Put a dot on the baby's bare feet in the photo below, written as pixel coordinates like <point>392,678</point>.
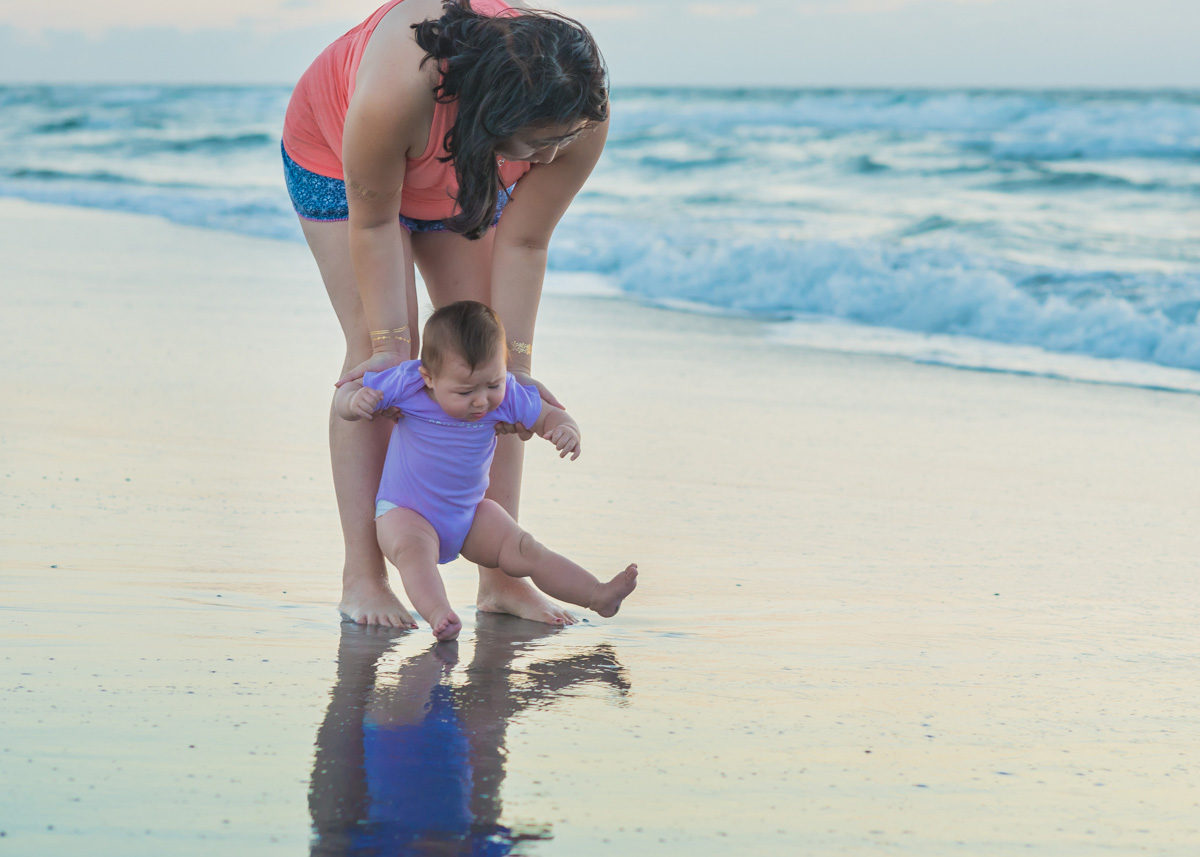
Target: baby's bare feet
<point>446,626</point>
<point>608,596</point>
<point>370,601</point>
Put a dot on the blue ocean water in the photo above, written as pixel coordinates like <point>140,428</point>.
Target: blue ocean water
<point>1051,232</point>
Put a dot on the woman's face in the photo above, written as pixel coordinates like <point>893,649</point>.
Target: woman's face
<point>539,144</point>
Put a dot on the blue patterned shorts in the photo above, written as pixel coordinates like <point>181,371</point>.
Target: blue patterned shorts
<point>317,197</point>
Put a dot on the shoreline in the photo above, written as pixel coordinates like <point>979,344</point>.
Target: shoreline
<point>823,333</point>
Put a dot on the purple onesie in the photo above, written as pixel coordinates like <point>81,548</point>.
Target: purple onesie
<point>437,465</point>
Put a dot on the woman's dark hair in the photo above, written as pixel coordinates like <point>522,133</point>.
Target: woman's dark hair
<point>508,73</point>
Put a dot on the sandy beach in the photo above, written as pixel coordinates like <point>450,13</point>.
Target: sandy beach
<point>884,608</point>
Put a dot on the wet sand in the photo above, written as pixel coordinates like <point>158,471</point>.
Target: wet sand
<point>883,608</point>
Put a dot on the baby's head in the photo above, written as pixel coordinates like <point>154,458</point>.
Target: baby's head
<point>464,359</point>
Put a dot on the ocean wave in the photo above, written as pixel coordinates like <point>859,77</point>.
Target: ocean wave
<point>961,352</point>
<point>1086,180</point>
<point>935,290</point>
<point>47,175</point>
<point>933,223</point>
<point>1004,125</point>
<point>85,177</point>
<point>896,210</point>
<point>216,143</point>
<point>667,164</point>
<point>207,144</point>
<point>866,165</point>
<point>263,216</point>
<point>121,146</point>
<point>59,126</point>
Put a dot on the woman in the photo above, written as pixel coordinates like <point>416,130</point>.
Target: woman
<point>402,143</point>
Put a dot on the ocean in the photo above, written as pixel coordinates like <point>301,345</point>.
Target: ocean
<point>1044,232</point>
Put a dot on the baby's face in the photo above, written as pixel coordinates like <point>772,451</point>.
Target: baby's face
<point>467,394</point>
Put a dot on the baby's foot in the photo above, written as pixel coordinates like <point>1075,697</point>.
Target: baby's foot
<point>370,601</point>
<point>607,598</point>
<point>446,626</point>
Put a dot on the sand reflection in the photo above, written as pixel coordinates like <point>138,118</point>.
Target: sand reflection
<point>410,759</point>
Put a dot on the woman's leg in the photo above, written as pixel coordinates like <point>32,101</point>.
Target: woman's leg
<point>457,269</point>
<point>357,448</point>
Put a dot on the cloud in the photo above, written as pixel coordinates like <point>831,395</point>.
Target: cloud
<point>814,8</point>
<point>716,10</point>
<point>588,12</point>
<point>867,7</point>
<point>93,18</point>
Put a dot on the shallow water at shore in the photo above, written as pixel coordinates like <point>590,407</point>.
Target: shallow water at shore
<point>883,608</point>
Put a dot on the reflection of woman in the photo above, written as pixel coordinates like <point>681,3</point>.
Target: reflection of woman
<point>414,764</point>
<point>399,144</point>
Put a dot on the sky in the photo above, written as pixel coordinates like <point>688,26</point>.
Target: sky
<point>788,43</point>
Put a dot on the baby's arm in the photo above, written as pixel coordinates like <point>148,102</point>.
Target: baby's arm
<point>353,401</point>
<point>557,426</point>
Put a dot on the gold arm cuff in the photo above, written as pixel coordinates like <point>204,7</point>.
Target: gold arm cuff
<point>517,347</point>
<point>398,334</point>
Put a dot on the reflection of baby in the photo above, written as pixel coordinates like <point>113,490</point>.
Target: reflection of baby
<point>430,506</point>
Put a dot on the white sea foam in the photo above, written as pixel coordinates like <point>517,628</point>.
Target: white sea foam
<point>964,352</point>
<point>925,290</point>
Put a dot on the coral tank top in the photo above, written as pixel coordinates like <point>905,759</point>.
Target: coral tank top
<point>316,115</point>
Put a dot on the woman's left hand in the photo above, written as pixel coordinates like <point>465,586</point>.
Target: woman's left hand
<point>525,379</point>
<point>514,428</point>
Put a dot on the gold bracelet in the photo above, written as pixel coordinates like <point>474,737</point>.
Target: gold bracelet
<point>518,347</point>
<point>400,334</point>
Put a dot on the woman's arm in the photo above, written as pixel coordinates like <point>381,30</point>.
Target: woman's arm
<point>523,236</point>
<point>383,120</point>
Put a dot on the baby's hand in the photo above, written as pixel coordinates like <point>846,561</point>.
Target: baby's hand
<point>566,440</point>
<point>365,401</point>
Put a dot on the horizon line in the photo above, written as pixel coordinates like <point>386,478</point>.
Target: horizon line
<point>724,87</point>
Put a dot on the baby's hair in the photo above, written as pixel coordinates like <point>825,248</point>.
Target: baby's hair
<point>466,328</point>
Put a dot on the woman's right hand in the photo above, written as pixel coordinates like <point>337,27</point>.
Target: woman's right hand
<point>375,363</point>
<point>528,380</point>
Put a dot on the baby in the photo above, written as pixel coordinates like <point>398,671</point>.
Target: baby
<point>430,507</point>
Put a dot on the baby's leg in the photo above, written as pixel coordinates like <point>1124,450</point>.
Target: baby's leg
<point>495,540</point>
<point>411,543</point>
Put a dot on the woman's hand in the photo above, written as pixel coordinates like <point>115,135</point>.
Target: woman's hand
<point>514,428</point>
<point>375,363</point>
<point>524,379</point>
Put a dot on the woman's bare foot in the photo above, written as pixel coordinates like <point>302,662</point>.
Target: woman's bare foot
<point>607,598</point>
<point>370,601</point>
<point>445,626</point>
<point>499,593</point>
